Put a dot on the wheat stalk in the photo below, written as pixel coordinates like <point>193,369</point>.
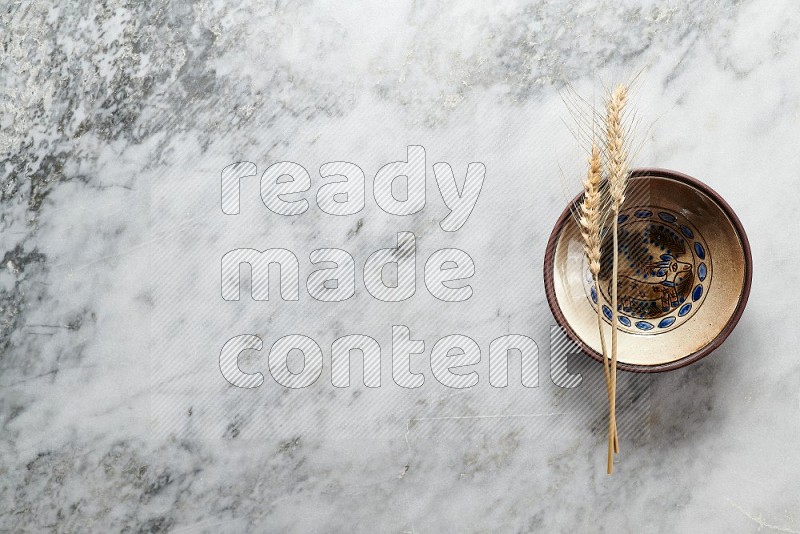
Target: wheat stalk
<point>590,219</point>
<point>604,195</point>
<point>617,160</point>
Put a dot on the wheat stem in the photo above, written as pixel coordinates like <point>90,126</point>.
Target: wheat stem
<point>617,181</point>
<point>612,420</point>
<point>606,362</point>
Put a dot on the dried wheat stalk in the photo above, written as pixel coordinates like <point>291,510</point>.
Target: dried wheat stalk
<point>617,161</point>
<point>604,193</point>
<point>591,214</point>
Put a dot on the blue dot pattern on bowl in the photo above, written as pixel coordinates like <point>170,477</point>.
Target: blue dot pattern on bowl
<point>698,248</point>
<point>666,322</point>
<point>697,293</point>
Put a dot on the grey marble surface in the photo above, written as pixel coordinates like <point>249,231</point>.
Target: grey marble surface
<point>117,119</point>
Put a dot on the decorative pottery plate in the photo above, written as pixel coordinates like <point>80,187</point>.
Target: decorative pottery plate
<point>684,274</point>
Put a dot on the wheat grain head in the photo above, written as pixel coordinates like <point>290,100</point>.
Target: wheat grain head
<point>616,150</point>
<point>591,211</point>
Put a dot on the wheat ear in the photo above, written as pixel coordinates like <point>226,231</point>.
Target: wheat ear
<point>617,182</point>
<point>590,221</point>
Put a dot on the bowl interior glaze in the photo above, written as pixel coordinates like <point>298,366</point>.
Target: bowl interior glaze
<point>684,274</point>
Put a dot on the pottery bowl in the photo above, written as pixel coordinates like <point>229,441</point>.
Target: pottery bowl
<point>684,274</point>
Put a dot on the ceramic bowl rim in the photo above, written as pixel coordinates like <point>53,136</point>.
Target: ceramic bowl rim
<point>549,284</point>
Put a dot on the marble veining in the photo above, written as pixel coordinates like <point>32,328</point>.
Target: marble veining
<point>115,122</point>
